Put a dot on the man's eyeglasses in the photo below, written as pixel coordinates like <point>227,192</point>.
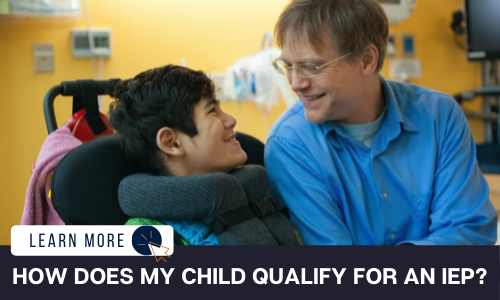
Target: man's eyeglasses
<point>305,70</point>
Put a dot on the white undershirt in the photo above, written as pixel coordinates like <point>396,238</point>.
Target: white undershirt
<point>364,132</point>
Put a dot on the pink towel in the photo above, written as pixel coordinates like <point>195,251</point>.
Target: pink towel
<point>38,209</point>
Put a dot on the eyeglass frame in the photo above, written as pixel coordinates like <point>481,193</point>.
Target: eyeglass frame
<point>274,62</point>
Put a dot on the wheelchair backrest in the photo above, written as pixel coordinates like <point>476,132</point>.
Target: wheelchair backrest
<point>85,182</point>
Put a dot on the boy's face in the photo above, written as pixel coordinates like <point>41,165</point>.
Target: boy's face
<point>214,148</point>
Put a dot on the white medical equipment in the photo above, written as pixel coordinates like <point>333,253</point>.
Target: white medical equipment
<point>45,8</point>
<point>397,10</point>
<point>253,78</point>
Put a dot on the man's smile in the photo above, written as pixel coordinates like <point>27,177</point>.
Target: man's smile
<point>311,99</point>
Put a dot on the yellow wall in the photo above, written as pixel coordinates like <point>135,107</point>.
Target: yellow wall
<point>211,35</point>
<point>444,64</point>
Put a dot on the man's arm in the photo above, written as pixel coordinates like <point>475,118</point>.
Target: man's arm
<point>460,209</point>
<point>296,181</point>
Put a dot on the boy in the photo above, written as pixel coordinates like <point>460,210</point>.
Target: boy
<point>171,122</point>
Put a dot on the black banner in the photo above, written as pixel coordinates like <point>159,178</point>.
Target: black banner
<point>261,272</point>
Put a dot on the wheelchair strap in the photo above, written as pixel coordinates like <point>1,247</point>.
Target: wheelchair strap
<point>265,206</point>
<point>91,104</point>
<point>232,217</point>
<point>241,214</point>
<point>77,104</point>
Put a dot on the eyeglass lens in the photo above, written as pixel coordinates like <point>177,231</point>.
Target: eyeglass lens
<point>304,70</point>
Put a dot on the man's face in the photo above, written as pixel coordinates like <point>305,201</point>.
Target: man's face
<point>334,94</point>
<point>214,148</point>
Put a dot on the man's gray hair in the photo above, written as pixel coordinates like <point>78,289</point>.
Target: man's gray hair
<point>353,24</point>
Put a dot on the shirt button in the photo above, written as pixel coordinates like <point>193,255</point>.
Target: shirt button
<point>393,236</point>
<point>385,195</point>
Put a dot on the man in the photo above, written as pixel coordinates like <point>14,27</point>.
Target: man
<point>361,160</point>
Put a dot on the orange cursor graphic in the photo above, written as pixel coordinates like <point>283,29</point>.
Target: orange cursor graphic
<point>158,259</point>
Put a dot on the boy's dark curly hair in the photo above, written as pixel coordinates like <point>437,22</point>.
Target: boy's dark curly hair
<point>156,98</point>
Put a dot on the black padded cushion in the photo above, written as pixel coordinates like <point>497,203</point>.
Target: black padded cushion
<point>253,147</point>
<point>85,182</point>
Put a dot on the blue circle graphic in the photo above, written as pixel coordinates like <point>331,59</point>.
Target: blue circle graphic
<point>143,236</point>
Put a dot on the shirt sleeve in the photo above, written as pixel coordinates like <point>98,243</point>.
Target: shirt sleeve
<point>296,181</point>
<point>461,212</point>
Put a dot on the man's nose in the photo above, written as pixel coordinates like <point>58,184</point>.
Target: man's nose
<point>297,83</point>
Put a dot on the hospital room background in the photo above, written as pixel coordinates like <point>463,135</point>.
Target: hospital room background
<point>207,35</point>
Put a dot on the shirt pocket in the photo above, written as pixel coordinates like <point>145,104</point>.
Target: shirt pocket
<point>423,202</point>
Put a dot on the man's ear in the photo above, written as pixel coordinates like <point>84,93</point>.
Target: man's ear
<point>370,60</point>
<point>167,141</point>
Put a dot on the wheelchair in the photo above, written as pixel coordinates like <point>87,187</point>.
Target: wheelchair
<point>84,187</point>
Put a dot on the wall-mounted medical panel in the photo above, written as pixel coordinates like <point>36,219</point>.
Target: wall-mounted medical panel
<point>80,42</point>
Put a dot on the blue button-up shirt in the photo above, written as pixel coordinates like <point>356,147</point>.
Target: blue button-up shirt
<point>419,183</point>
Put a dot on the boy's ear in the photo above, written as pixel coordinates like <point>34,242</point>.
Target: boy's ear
<point>167,141</point>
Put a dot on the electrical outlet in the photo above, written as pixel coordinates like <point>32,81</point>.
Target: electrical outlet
<point>80,44</point>
<point>406,69</point>
<point>43,58</point>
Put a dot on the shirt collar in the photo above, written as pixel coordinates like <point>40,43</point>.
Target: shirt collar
<point>394,116</point>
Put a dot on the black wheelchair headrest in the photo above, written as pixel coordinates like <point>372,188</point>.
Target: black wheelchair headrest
<point>85,182</point>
